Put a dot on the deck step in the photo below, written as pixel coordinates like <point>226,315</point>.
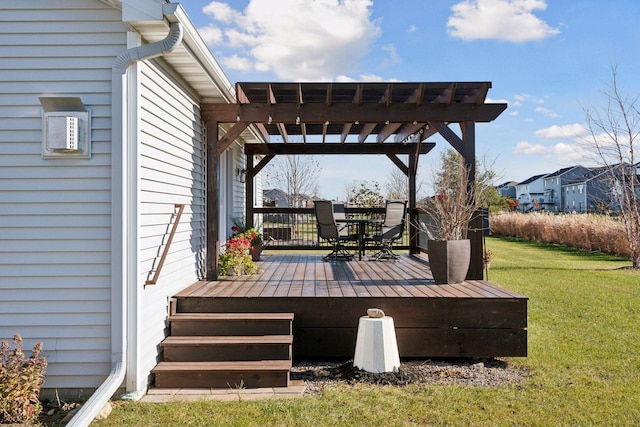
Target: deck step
<point>239,374</point>
<point>226,348</point>
<point>227,324</point>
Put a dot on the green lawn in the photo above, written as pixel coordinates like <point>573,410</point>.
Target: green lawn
<point>584,360</point>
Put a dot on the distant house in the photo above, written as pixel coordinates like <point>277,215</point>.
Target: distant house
<point>103,134</point>
<point>595,191</point>
<point>275,197</point>
<point>507,189</point>
<point>589,193</point>
<point>552,185</point>
<point>530,193</point>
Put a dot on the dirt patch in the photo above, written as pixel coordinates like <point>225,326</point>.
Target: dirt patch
<point>468,372</point>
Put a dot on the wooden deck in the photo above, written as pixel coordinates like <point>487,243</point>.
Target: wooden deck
<point>472,319</point>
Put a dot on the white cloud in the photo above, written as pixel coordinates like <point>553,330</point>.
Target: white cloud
<point>363,78</point>
<point>521,98</point>
<point>575,130</point>
<point>220,11</point>
<point>236,62</point>
<point>529,149</point>
<point>547,112</point>
<point>569,152</point>
<point>413,29</point>
<point>392,55</point>
<point>510,20</point>
<point>211,34</point>
<point>298,39</point>
<point>490,100</point>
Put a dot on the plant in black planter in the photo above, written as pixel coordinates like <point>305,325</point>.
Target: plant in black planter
<point>448,213</point>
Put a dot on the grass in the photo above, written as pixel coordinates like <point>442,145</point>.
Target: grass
<point>584,361</point>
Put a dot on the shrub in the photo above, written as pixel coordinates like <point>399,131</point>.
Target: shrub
<point>21,379</point>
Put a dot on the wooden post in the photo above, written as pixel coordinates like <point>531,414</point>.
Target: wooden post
<point>475,232</point>
<point>213,214</point>
<point>413,217</point>
<point>249,189</point>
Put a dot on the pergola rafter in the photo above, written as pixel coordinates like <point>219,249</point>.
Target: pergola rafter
<point>348,118</point>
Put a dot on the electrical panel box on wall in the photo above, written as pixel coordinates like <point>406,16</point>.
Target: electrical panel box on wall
<point>65,134</point>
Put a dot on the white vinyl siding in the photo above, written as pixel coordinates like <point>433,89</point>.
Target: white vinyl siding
<point>238,186</point>
<point>171,172</point>
<point>55,215</point>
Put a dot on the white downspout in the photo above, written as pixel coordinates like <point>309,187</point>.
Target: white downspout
<point>122,210</point>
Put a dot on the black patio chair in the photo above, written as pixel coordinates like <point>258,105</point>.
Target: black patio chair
<point>328,230</point>
<point>391,230</point>
<point>344,229</point>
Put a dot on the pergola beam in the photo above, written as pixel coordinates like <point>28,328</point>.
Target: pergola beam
<point>399,163</point>
<point>319,149</point>
<point>230,136</point>
<point>315,113</point>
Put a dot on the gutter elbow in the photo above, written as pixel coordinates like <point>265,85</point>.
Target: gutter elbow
<point>151,50</point>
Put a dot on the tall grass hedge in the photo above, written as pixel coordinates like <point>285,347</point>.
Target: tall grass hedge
<point>597,233</point>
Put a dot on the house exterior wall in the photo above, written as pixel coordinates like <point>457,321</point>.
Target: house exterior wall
<point>56,248</point>
<point>553,187</point>
<point>55,214</point>
<point>529,191</point>
<point>575,197</point>
<point>590,195</point>
<point>171,171</point>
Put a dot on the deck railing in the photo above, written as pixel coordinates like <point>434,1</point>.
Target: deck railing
<point>295,228</point>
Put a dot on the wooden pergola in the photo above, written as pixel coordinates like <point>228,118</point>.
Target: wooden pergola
<point>389,119</point>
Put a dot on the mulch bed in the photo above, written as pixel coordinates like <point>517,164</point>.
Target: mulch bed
<point>490,372</point>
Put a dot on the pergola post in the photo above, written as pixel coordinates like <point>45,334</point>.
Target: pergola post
<point>213,214</point>
<point>475,226</point>
<point>249,189</point>
<point>413,216</point>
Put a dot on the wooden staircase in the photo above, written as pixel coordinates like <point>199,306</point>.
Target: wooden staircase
<point>226,350</point>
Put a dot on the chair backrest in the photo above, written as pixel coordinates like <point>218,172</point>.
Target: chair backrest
<point>394,218</point>
<point>339,212</point>
<point>327,228</point>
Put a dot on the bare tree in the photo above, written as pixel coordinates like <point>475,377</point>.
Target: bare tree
<point>397,185</point>
<point>613,130</point>
<point>297,176</point>
<point>456,200</point>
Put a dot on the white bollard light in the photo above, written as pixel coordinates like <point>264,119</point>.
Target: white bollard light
<point>376,345</point>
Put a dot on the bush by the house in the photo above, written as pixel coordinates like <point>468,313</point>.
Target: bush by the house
<point>21,379</point>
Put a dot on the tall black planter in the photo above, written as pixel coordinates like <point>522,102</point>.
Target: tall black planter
<point>449,260</point>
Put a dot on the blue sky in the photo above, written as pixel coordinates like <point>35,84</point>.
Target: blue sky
<point>548,59</point>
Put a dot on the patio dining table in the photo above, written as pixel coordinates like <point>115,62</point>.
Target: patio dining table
<point>362,229</point>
